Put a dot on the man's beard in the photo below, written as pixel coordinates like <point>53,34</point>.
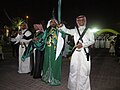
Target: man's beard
<point>53,26</point>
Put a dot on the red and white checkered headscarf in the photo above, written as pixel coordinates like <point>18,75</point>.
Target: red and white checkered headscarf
<point>39,26</point>
<point>81,16</point>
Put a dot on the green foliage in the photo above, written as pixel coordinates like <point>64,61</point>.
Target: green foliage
<point>17,22</point>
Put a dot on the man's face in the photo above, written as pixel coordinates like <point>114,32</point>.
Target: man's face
<point>23,26</point>
<point>81,21</point>
<point>53,23</point>
<point>35,27</point>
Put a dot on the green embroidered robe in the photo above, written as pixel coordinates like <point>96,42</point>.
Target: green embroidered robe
<point>51,67</point>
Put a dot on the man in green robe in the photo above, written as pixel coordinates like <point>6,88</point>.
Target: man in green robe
<point>52,65</point>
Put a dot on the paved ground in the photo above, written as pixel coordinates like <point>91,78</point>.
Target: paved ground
<point>105,74</point>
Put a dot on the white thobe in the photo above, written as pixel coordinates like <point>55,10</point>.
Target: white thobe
<point>102,43</point>
<point>79,66</point>
<point>107,44</point>
<point>24,67</point>
<point>96,43</point>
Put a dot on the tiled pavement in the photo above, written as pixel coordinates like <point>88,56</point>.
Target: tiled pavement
<point>105,74</point>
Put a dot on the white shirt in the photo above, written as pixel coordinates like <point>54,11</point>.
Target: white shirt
<point>88,38</point>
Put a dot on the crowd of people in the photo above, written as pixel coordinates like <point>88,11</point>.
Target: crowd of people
<point>40,52</point>
<point>110,42</point>
<point>103,40</point>
<point>36,51</point>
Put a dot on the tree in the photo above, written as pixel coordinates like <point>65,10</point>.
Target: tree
<point>16,22</point>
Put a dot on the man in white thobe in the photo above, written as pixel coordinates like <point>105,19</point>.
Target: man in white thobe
<point>23,37</point>
<point>80,65</point>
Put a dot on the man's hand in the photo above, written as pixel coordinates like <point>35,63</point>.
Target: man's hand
<point>59,25</point>
<point>35,39</point>
<point>79,45</point>
<point>20,32</point>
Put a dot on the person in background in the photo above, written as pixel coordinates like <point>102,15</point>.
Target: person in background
<point>23,38</point>
<point>1,51</point>
<point>13,45</point>
<point>35,51</point>
<point>117,47</point>
<point>80,63</point>
<point>112,48</point>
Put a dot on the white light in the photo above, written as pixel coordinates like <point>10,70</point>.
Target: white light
<point>7,32</point>
<point>95,30</point>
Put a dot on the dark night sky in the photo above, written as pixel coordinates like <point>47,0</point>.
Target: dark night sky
<point>103,13</point>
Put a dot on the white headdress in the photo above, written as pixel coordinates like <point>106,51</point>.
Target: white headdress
<point>81,16</point>
<point>48,24</point>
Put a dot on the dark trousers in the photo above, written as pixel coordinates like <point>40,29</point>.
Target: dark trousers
<point>37,63</point>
